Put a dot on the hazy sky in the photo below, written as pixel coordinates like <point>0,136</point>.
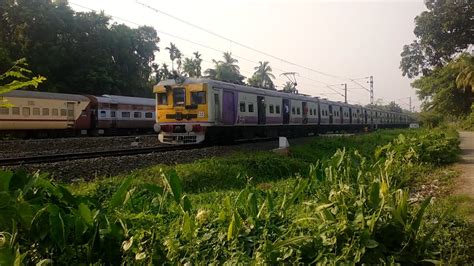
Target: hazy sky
<point>351,39</point>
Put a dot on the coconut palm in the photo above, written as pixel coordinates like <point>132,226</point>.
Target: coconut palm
<point>262,77</point>
<point>226,70</point>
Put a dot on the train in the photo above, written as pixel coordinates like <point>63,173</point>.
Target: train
<point>46,114</point>
<point>196,110</point>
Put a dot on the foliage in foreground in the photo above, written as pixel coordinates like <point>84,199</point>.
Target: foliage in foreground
<point>348,208</point>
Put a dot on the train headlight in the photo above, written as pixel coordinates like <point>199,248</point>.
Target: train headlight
<point>188,127</point>
<point>157,127</point>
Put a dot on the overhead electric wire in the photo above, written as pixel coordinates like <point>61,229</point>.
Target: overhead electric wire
<point>221,51</point>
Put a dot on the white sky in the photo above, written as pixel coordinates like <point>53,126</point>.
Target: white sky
<point>344,38</point>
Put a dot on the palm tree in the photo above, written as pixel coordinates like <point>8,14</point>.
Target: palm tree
<point>175,54</point>
<point>289,87</point>
<point>226,70</point>
<point>262,77</point>
<point>197,63</point>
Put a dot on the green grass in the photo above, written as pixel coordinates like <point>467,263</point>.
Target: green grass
<point>349,207</point>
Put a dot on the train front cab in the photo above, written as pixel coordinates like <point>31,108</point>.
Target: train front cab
<point>182,112</point>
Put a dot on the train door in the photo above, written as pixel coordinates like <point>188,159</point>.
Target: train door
<point>350,115</point>
<point>113,115</point>
<point>217,108</point>
<point>304,106</point>
<point>330,114</point>
<point>286,111</point>
<point>228,108</point>
<point>70,114</point>
<point>341,115</point>
<point>261,109</point>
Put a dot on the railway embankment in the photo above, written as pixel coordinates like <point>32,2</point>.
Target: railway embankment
<point>332,200</point>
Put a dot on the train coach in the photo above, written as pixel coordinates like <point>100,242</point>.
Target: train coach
<point>45,114</point>
<point>202,109</point>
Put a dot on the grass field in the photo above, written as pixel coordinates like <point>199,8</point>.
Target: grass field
<point>334,200</point>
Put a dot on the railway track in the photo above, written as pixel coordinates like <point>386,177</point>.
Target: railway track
<point>90,155</point>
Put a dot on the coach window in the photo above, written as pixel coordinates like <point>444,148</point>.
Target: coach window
<point>45,111</point>
<point>15,110</point>
<point>310,111</point>
<point>102,113</point>
<point>198,97</point>
<point>137,115</point>
<point>293,110</point>
<point>113,114</point>
<point>242,107</point>
<point>63,112</point>
<point>250,107</point>
<point>179,96</point>
<point>148,115</point>
<point>4,111</point>
<point>271,109</point>
<point>298,111</point>
<point>126,114</point>
<point>162,98</point>
<point>26,111</point>
<point>277,109</point>
<point>55,112</point>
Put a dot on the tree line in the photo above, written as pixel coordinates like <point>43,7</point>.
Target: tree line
<point>440,60</point>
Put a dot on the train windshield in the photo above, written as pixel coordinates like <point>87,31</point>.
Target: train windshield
<point>179,96</point>
<point>162,98</point>
<point>198,97</point>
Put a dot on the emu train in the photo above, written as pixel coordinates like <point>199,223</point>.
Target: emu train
<point>201,109</point>
<point>44,114</point>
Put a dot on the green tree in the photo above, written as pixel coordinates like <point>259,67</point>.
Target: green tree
<point>175,54</point>
<point>161,73</point>
<point>289,87</point>
<point>79,52</point>
<point>262,77</point>
<point>192,66</point>
<point>17,77</point>
<point>226,70</point>
<point>440,92</point>
<point>443,31</point>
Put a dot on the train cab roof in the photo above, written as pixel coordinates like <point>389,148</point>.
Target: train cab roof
<point>115,99</point>
<point>46,95</point>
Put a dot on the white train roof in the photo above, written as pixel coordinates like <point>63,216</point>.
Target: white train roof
<point>124,100</point>
<point>46,95</point>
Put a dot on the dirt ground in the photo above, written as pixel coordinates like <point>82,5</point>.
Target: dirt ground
<point>465,182</point>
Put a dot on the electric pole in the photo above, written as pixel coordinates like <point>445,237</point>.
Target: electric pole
<point>371,82</point>
<point>410,103</point>
<point>345,92</point>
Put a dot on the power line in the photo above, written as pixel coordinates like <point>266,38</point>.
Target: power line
<point>221,51</point>
<point>236,42</point>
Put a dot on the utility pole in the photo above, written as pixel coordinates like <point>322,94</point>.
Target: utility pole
<point>345,92</point>
<point>371,82</point>
<point>410,103</point>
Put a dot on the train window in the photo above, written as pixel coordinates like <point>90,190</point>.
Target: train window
<point>148,115</point>
<point>36,111</point>
<point>4,111</point>
<point>242,107</point>
<point>277,109</point>
<point>162,98</point>
<point>179,95</point>
<point>70,113</point>
<point>45,111</point>
<point>298,111</point>
<point>137,114</point>
<point>55,112</point>
<point>126,114</point>
<point>198,97</point>
<point>293,110</point>
<point>271,109</point>
<point>26,111</point>
<point>113,114</point>
<point>102,113</point>
<point>250,107</point>
<point>310,111</point>
<point>15,110</point>
<point>63,112</point>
